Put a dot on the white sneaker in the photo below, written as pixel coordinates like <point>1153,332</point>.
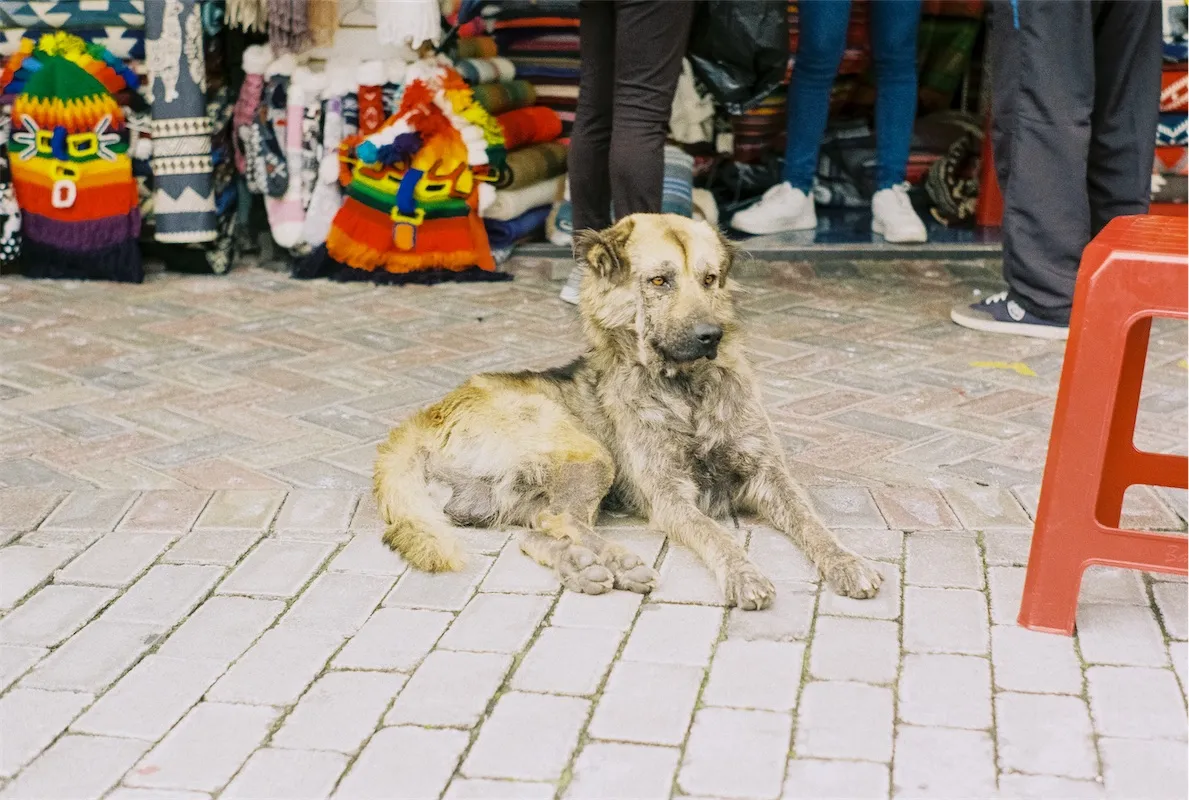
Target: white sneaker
<point>894,218</point>
<point>782,208</point>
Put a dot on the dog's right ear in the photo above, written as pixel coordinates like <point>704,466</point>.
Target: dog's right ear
<point>603,252</point>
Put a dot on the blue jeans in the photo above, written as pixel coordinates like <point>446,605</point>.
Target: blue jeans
<point>822,39</point>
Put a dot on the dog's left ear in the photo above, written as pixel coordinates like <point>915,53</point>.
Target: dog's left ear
<point>731,253</point>
<point>604,252</point>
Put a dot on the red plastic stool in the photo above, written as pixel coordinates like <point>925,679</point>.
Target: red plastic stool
<point>988,213</point>
<point>1133,271</point>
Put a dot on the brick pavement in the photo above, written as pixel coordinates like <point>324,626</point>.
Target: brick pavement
<point>194,601</point>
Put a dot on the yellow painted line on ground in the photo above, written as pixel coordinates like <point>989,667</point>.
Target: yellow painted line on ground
<point>1183,364</point>
<point>1018,367</point>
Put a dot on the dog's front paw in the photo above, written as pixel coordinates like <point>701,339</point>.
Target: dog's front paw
<point>746,587</point>
<point>579,570</point>
<point>852,576</point>
<point>630,571</point>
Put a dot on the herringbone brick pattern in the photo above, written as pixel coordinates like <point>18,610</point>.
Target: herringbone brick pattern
<point>194,601</point>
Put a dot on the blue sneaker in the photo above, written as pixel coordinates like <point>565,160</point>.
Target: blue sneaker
<point>1000,314</point>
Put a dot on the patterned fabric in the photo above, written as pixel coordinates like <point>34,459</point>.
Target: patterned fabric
<point>477,47</point>
<point>500,98</point>
<point>184,199</point>
<point>71,15</point>
<point>1173,129</point>
<point>412,190</point>
<point>123,43</point>
<point>530,165</point>
<point>485,70</point>
<point>1174,89</point>
<point>678,188</point>
<point>69,156</point>
<point>10,214</point>
<point>532,125</point>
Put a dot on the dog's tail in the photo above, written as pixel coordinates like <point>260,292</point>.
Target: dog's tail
<point>417,527</point>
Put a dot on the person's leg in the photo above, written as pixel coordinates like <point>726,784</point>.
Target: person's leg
<point>651,37</point>
<point>1127,69</point>
<point>1046,217</point>
<point>821,39</point>
<point>894,25</point>
<point>590,140</point>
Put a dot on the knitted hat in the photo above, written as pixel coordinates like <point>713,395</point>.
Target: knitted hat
<point>70,168</point>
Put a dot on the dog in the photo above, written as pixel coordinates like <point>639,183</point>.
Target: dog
<point>660,416</point>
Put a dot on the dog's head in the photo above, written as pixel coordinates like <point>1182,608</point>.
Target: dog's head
<point>661,280</point>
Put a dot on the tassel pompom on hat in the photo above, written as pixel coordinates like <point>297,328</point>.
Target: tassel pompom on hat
<point>68,152</point>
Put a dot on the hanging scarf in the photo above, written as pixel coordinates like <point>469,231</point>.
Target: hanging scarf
<point>288,25</point>
<point>248,15</point>
<point>323,16</point>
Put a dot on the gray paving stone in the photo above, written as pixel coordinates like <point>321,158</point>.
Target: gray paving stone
<point>23,569</point>
<point>846,507</point>
<point>1007,590</point>
<point>1015,786</point>
<point>72,541</point>
<point>239,509</point>
<point>1135,703</point>
<point>885,605</point>
<point>1177,651</point>
<point>647,703</point>
<point>613,771</point>
<point>787,619</point>
<point>915,508</point>
<point>23,509</point>
<point>528,737</point>
<point>1030,661</point>
<point>277,669</point>
<point>450,689</point>
<point>879,544</point>
<point>15,661</point>
<point>165,510</point>
<point>277,568</point>
<point>1111,585</point>
<point>205,749</point>
<point>612,611</point>
<point>845,720</point>
<point>53,614</point>
<point>1151,770</point>
<point>394,639</point>
<point>31,719</point>
<point>863,650</point>
<point>1173,601</point>
<point>944,560</point>
<point>516,573</point>
<point>316,510</point>
<point>292,774</point>
<point>151,698</point>
<point>759,675</point>
<point>685,579</point>
<point>403,762</point>
<point>444,591</point>
<point>338,602</point>
<point>222,628</point>
<point>164,595</point>
<point>1007,548</point>
<point>339,711</point>
<point>1123,635</point>
<point>94,657</point>
<point>482,789</point>
<point>116,559</point>
<point>1045,734</point>
<point>224,548</point>
<point>735,753</point>
<point>93,509</point>
<point>777,557</point>
<point>674,634</point>
<point>496,623</point>
<point>967,768</point>
<point>128,793</point>
<point>366,553</point>
<point>567,661</point>
<point>945,691</point>
<point>811,779</point>
<point>945,621</point>
<point>986,507</point>
<point>76,767</point>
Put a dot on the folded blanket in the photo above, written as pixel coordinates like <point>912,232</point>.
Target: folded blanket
<point>477,47</point>
<point>1174,90</point>
<point>72,15</point>
<point>531,125</point>
<point>533,164</point>
<point>678,196</point>
<point>537,8</point>
<point>500,98</point>
<point>505,233</point>
<point>123,43</point>
<point>485,70</point>
<point>1172,130</point>
<point>512,203</point>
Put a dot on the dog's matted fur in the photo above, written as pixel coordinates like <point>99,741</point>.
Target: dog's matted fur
<point>661,414</point>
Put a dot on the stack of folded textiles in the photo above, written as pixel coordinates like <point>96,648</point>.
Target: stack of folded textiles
<point>1169,182</point>
<point>532,176</point>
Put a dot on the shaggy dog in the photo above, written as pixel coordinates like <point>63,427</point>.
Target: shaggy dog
<point>661,416</point>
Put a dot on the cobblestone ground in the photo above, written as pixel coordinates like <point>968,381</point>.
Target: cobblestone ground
<point>194,601</point>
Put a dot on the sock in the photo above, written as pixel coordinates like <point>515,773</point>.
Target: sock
<point>255,171</point>
<point>256,60</point>
<point>285,214</point>
<point>312,84</point>
<point>327,195</point>
<point>371,97</point>
<point>10,214</point>
<point>271,125</point>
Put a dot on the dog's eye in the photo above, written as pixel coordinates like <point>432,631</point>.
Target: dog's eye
<point>709,280</point>
<point>659,280</point>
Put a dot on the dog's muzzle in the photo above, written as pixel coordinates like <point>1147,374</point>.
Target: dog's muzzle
<point>701,342</point>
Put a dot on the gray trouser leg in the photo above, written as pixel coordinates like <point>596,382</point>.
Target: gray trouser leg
<point>1076,94</point>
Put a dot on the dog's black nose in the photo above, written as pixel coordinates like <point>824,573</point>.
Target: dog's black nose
<point>707,334</point>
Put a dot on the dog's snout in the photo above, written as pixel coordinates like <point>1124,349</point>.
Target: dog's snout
<point>708,334</point>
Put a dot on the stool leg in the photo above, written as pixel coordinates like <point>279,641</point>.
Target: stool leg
<point>1118,471</point>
